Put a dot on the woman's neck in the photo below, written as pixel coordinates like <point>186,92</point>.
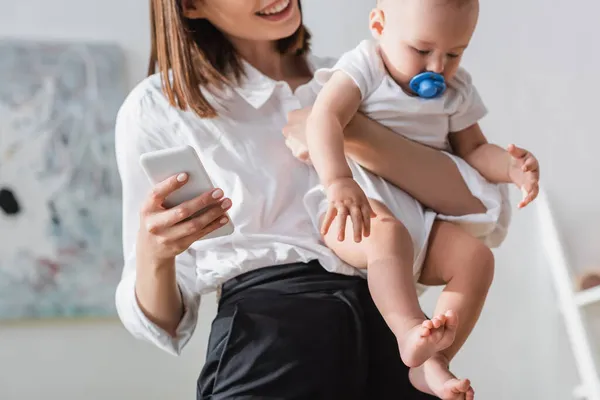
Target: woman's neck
<point>280,67</point>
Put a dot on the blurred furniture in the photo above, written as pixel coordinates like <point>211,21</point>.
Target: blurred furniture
<point>571,303</point>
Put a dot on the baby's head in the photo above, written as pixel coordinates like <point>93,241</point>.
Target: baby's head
<point>423,35</point>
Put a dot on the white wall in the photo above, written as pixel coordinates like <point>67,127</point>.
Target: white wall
<point>91,360</point>
<point>528,59</point>
<point>122,22</point>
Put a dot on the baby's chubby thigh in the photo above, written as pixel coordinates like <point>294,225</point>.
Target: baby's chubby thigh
<point>396,203</point>
<point>401,225</point>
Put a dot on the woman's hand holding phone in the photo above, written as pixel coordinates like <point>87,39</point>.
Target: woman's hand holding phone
<point>167,232</point>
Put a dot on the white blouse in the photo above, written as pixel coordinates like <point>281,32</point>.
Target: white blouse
<point>244,153</point>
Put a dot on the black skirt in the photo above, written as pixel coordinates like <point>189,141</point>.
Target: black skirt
<point>299,332</point>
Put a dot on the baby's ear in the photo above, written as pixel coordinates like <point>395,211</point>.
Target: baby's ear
<point>377,22</point>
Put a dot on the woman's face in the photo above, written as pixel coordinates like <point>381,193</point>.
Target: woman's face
<point>257,20</point>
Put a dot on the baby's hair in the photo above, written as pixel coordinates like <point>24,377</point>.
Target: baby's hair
<point>457,3</point>
<point>454,3</point>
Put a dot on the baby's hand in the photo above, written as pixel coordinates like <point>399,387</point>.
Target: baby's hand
<point>346,198</point>
<point>524,171</point>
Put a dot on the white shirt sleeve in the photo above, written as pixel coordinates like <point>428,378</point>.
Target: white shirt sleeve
<point>138,130</point>
<point>471,108</point>
<point>363,65</point>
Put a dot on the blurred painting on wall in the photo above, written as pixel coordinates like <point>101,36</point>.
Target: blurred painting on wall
<point>60,194</point>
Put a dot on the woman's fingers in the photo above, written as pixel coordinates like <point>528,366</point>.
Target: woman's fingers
<point>155,200</point>
<point>168,218</point>
<point>213,226</point>
<point>197,225</point>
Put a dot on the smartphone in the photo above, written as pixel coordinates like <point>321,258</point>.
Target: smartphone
<point>162,164</point>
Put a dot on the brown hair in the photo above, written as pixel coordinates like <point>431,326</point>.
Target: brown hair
<point>191,53</point>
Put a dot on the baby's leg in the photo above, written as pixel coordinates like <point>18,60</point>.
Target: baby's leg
<point>466,266</point>
<point>388,255</point>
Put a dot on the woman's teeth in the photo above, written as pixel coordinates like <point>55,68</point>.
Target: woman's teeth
<point>277,8</point>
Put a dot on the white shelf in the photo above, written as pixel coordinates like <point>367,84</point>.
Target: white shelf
<point>587,297</point>
<point>570,303</point>
<point>580,393</point>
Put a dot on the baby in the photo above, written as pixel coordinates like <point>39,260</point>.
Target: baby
<point>409,80</point>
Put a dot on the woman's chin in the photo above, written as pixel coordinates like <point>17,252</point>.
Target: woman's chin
<point>289,32</point>
<point>281,28</point>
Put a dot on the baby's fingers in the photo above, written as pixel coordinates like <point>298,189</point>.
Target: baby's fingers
<point>342,216</point>
<point>357,223</point>
<point>516,152</point>
<point>529,194</point>
<point>367,213</point>
<point>531,164</point>
<point>328,220</point>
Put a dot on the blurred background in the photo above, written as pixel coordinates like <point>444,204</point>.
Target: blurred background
<point>535,64</point>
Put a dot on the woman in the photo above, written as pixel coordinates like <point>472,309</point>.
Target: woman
<point>293,321</point>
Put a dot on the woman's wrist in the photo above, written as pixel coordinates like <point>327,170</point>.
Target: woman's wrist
<point>158,294</point>
<point>146,262</point>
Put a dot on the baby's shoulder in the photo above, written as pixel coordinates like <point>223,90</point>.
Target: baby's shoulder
<point>368,55</point>
<point>462,82</point>
<point>365,65</point>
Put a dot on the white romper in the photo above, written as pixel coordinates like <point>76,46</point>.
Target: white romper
<point>427,121</point>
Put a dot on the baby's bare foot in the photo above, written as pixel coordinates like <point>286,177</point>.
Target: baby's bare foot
<point>421,342</point>
<point>434,377</point>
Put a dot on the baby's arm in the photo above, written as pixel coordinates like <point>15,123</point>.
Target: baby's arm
<point>514,165</point>
<point>335,106</point>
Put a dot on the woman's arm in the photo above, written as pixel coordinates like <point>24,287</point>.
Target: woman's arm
<point>425,173</point>
<point>156,298</point>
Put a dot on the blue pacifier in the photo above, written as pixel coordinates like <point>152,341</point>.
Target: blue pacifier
<point>428,85</point>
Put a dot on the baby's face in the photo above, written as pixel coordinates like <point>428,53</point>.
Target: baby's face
<point>423,35</point>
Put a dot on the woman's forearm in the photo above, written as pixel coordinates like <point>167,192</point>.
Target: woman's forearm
<point>158,294</point>
<point>425,173</point>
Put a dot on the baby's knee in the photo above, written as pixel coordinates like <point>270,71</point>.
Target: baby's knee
<point>481,266</point>
<point>388,234</point>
